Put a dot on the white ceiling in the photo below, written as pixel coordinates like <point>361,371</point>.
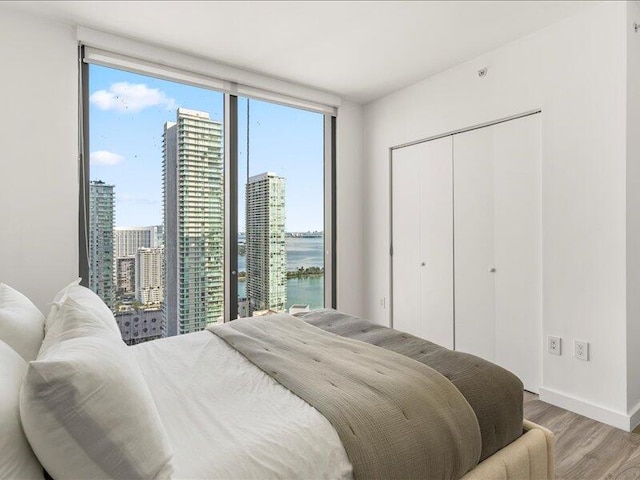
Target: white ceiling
<point>360,50</point>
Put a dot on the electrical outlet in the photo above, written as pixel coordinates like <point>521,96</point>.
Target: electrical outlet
<point>554,345</point>
<point>383,302</point>
<point>581,350</point>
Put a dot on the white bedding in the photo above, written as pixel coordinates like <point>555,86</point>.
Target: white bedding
<point>225,418</point>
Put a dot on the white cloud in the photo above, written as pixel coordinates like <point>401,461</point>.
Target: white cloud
<point>104,157</point>
<point>130,97</point>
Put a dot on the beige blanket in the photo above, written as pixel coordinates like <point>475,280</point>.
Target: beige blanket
<point>397,418</point>
<point>495,394</point>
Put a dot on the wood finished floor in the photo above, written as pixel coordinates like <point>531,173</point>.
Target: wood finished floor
<point>586,449</point>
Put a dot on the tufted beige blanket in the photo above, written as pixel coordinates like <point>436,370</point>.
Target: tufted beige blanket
<point>397,418</point>
<point>494,393</point>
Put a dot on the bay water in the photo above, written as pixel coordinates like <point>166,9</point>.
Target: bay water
<point>302,252</point>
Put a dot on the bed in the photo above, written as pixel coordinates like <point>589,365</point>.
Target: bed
<point>511,448</point>
<point>213,404</point>
<point>261,423</point>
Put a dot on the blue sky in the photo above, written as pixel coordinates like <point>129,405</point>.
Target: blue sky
<point>127,115</point>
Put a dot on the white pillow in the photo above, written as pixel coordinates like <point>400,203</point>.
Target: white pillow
<point>87,299</point>
<point>60,296</point>
<point>58,300</point>
<point>21,323</point>
<point>16,457</point>
<point>86,408</point>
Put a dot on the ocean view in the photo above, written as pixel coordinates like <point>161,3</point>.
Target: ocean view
<point>301,253</point>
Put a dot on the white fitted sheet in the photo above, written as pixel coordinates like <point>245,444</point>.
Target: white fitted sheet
<point>225,418</point>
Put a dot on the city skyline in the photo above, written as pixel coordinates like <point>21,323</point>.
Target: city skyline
<point>126,146</point>
<point>171,265</point>
<point>127,244</point>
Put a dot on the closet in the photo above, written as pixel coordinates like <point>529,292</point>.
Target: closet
<point>466,239</point>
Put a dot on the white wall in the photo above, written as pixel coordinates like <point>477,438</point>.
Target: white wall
<point>633,209</point>
<point>349,209</point>
<point>38,158</point>
<point>573,71</point>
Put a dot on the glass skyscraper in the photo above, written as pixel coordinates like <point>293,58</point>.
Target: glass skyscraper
<point>265,243</point>
<point>194,222</point>
<point>101,222</point>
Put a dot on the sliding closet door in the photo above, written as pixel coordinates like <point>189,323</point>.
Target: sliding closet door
<point>423,240</point>
<point>474,243</point>
<point>497,246</point>
<point>517,249</point>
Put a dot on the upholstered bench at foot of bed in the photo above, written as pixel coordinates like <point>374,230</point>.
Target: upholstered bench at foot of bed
<point>530,457</point>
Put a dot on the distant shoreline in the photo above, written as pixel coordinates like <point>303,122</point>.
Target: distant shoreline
<point>304,275</point>
<point>293,274</point>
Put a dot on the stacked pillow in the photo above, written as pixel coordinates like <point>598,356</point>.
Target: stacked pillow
<point>21,323</point>
<point>16,457</point>
<point>89,301</point>
<point>21,332</point>
<point>85,406</point>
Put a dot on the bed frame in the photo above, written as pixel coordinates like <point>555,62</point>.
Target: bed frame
<point>530,457</point>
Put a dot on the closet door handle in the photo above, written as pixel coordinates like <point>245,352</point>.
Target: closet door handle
<point>492,269</point>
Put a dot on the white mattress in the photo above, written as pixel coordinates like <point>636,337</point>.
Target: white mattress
<point>225,418</point>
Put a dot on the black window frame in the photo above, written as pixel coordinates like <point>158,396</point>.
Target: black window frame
<point>230,181</point>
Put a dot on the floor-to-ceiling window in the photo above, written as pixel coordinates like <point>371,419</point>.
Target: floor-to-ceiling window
<point>153,195</point>
<point>280,208</point>
<point>156,202</point>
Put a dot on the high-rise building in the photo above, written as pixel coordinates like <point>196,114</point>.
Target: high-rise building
<point>149,275</point>
<point>159,231</point>
<point>127,240</point>
<point>265,243</point>
<point>125,276</point>
<point>101,221</point>
<point>194,222</point>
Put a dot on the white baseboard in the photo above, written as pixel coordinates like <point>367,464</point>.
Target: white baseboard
<point>634,418</point>
<point>601,414</point>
